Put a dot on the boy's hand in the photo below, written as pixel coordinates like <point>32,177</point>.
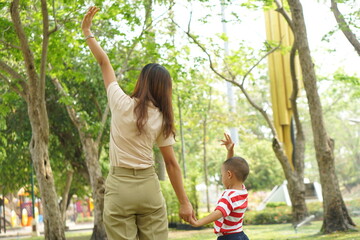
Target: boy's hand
<point>87,21</point>
<point>228,143</point>
<point>194,223</point>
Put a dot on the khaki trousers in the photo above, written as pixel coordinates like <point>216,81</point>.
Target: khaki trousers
<point>134,207</point>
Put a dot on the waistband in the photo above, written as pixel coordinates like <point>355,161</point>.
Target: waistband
<point>231,236</point>
<point>131,171</point>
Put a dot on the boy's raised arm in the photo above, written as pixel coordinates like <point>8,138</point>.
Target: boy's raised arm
<point>229,145</point>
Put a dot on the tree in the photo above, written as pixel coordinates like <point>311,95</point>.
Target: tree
<point>236,74</point>
<point>336,216</point>
<point>32,89</point>
<point>64,151</point>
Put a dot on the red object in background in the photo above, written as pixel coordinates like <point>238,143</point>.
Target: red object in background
<point>78,206</point>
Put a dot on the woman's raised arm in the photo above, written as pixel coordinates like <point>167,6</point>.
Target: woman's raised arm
<point>100,55</point>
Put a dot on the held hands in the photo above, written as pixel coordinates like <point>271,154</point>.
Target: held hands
<point>195,223</point>
<point>87,21</point>
<point>187,213</point>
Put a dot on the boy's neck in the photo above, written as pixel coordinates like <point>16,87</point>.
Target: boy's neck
<point>235,185</point>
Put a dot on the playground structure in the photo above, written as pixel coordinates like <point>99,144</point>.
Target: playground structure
<point>16,210</point>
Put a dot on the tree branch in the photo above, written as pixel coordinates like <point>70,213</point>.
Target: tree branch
<point>14,87</point>
<point>54,15</point>
<point>25,48</point>
<point>16,76</point>
<point>45,45</point>
<point>282,11</point>
<point>189,23</point>
<point>10,45</point>
<point>102,126</point>
<point>344,27</point>
<point>79,124</point>
<point>146,27</point>
<point>258,62</point>
<point>204,50</point>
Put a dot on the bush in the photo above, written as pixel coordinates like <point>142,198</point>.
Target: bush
<point>280,214</point>
<point>275,204</point>
<point>316,209</point>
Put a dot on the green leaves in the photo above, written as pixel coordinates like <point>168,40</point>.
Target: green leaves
<point>342,77</point>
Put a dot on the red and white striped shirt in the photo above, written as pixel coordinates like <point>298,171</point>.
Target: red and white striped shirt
<point>232,204</point>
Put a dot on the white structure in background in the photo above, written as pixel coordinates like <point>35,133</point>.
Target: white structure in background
<point>280,193</point>
<point>214,194</point>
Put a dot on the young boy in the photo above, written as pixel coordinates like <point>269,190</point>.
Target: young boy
<point>229,212</point>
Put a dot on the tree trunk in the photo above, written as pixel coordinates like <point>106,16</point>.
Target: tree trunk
<point>205,153</point>
<point>295,184</point>
<point>205,167</point>
<point>91,151</point>
<point>64,201</point>
<point>336,217</point>
<point>54,227</point>
<point>182,156</point>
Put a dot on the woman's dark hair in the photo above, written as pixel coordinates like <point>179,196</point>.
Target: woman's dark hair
<point>154,85</point>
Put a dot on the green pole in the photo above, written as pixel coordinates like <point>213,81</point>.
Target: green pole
<point>35,231</point>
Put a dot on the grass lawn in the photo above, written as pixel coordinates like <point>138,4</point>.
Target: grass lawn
<point>254,232</point>
<point>274,231</point>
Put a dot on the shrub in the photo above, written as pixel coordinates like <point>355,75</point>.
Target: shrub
<point>316,209</point>
<point>280,214</point>
<point>275,204</point>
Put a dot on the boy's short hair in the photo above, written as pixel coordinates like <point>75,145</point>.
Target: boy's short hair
<point>238,166</point>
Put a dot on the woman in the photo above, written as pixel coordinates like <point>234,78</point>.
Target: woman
<point>134,206</point>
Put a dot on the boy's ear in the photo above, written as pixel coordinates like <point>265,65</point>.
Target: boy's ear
<point>229,173</point>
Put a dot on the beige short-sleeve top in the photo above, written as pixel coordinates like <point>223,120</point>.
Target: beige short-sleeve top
<point>127,148</point>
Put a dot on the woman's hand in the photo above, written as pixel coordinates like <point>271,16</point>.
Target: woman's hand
<point>87,21</point>
<point>187,213</point>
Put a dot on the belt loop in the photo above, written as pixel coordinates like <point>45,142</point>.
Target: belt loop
<point>134,172</point>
